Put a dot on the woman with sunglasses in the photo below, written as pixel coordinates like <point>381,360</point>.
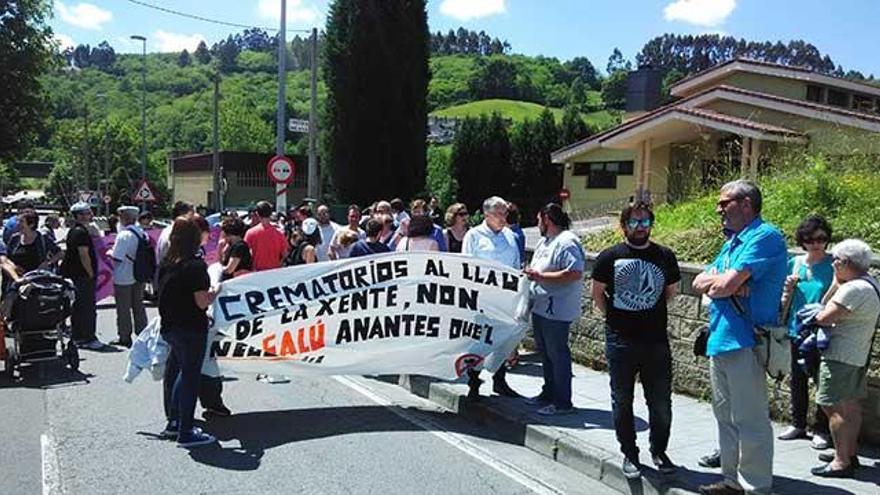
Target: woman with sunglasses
<point>809,277</point>
<point>457,217</point>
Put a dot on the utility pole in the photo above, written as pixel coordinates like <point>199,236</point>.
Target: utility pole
<point>215,168</point>
<point>143,114</point>
<point>280,128</point>
<point>314,185</point>
<point>86,151</point>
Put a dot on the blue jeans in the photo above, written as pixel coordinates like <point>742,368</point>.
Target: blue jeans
<point>652,361</point>
<point>188,348</point>
<point>551,336</point>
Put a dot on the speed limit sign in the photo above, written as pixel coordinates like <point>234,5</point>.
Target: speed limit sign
<point>281,169</point>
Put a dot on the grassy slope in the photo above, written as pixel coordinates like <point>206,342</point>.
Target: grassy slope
<point>519,111</point>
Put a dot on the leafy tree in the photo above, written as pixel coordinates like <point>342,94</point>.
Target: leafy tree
<point>481,159</point>
<point>581,68</point>
<point>578,93</point>
<point>227,52</point>
<point>573,127</point>
<point>494,78</point>
<point>203,55</point>
<point>616,62</point>
<point>10,181</point>
<point>255,39</point>
<point>614,90</point>
<point>376,124</point>
<point>25,54</point>
<point>102,57</point>
<point>184,60</point>
<point>82,56</point>
<point>241,129</point>
<point>465,42</point>
<point>440,180</point>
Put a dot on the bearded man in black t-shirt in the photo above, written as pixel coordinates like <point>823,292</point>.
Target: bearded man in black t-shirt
<point>632,283</point>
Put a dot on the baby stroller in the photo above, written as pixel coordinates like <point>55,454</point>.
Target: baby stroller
<point>36,309</point>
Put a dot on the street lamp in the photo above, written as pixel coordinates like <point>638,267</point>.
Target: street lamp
<point>143,109</point>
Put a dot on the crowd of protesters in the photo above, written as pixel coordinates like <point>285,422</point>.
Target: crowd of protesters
<point>751,283</point>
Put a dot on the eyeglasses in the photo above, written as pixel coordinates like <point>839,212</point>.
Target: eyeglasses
<point>645,223</point>
<point>838,260</point>
<point>724,202</point>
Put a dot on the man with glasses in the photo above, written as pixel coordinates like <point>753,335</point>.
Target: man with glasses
<point>745,284</point>
<point>492,240</point>
<point>632,284</point>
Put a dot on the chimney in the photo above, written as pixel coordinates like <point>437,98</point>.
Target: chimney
<point>642,91</point>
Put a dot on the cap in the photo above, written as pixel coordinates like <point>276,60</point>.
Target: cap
<point>80,207</point>
<point>134,210</point>
<point>309,226</point>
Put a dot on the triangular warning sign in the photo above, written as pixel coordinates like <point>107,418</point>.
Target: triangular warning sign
<point>143,193</point>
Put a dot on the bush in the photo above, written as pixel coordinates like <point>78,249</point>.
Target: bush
<point>846,190</point>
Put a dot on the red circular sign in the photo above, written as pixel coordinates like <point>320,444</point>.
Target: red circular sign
<point>281,169</point>
<point>564,194</point>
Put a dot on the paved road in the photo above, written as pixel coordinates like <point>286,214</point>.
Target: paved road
<point>91,433</point>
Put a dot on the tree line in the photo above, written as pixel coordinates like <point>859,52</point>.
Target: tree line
<point>467,42</point>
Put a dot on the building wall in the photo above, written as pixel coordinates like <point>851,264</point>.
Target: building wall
<point>192,187</point>
<point>196,186</point>
<point>687,316</point>
<point>788,88</point>
<point>583,198</point>
<point>826,137</point>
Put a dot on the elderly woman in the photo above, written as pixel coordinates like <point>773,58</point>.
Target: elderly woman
<point>809,277</point>
<point>852,307</point>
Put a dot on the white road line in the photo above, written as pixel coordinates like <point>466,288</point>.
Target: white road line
<point>51,478</point>
<point>457,440</point>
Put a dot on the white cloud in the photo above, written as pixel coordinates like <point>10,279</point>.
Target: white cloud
<point>709,13</point>
<point>83,15</point>
<point>471,9</point>
<point>175,42</point>
<point>297,11</point>
<point>64,41</point>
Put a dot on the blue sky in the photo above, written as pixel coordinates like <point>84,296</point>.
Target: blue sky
<point>844,29</point>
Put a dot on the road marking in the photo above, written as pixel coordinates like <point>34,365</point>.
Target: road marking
<point>457,440</point>
<point>51,478</point>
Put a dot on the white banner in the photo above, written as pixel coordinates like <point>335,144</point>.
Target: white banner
<point>425,313</point>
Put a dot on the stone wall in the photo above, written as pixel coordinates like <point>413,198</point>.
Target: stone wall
<point>690,374</point>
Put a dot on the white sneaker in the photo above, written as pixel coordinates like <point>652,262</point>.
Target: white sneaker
<point>821,441</point>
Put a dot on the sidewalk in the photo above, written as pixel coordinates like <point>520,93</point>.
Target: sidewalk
<point>586,442</point>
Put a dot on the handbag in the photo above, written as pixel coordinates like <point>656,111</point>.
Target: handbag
<point>701,343</point>
<point>772,345</point>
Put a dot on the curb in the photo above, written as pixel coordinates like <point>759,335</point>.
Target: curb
<point>590,460</point>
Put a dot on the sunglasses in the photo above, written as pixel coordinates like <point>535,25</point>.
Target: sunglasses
<point>838,260</point>
<point>463,214</point>
<point>645,223</point>
<point>724,202</point>
<point>819,238</point>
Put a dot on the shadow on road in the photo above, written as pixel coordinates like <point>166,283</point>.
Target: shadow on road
<point>44,375</point>
<point>259,431</point>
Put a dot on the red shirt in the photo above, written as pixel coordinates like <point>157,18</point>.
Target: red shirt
<point>268,246</point>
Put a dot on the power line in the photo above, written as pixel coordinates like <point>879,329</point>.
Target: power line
<point>206,19</point>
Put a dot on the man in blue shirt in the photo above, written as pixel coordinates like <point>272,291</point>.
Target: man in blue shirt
<point>492,240</point>
<point>750,269</point>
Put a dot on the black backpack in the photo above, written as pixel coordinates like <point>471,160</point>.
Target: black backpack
<point>144,259</point>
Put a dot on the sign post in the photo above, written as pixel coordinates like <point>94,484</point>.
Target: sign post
<point>281,170</point>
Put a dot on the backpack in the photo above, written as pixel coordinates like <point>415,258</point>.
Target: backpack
<point>144,259</point>
<point>42,250</point>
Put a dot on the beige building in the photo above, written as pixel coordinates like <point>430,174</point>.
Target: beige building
<point>728,119</point>
<point>245,177</point>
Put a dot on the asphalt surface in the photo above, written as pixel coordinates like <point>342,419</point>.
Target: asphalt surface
<point>92,433</point>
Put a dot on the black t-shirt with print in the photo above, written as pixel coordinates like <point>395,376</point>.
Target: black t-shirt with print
<point>177,305</point>
<point>635,282</point>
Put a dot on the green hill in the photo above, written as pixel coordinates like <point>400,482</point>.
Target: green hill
<point>522,110</point>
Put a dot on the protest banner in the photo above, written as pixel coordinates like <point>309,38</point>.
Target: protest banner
<point>104,278</point>
<point>435,314</point>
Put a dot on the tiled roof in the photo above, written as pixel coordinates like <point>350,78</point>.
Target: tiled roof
<point>738,121</point>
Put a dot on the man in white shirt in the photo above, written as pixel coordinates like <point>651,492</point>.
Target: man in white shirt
<point>328,231</point>
<point>128,292</point>
<point>492,240</point>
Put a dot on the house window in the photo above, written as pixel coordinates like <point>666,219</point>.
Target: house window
<point>838,98</point>
<point>626,168</point>
<point>601,179</point>
<point>815,93</point>
<point>580,169</point>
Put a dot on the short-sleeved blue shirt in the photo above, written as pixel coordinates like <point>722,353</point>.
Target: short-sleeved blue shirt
<point>759,249</point>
